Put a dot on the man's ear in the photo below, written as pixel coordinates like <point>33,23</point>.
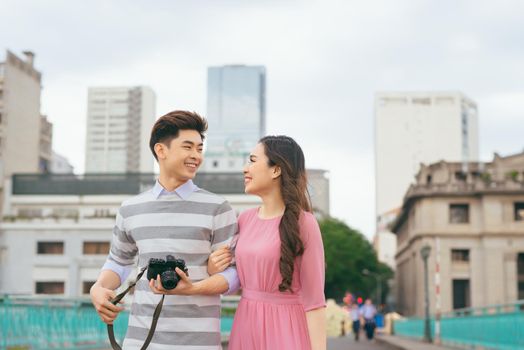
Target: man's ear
<point>277,172</point>
<point>160,150</point>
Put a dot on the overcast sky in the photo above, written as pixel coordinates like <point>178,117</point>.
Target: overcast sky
<point>325,60</point>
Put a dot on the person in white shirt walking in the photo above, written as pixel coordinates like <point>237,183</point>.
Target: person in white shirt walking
<point>354,312</point>
<point>368,312</point>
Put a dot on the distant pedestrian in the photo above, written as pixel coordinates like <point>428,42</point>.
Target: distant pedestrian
<point>368,312</point>
<point>354,312</point>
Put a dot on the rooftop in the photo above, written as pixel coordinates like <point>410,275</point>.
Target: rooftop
<point>108,184</point>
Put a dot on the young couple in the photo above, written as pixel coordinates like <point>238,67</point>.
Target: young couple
<point>279,256</point>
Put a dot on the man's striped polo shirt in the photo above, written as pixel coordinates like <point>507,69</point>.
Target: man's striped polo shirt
<point>188,223</point>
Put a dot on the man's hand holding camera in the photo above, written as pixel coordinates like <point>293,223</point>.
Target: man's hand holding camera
<point>184,286</point>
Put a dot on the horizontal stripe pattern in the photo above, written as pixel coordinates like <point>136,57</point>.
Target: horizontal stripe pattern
<point>149,227</point>
<point>174,338</point>
<point>176,311</point>
<point>168,207</point>
<point>180,324</point>
<point>175,246</point>
<point>185,232</point>
<point>143,295</point>
<point>168,219</point>
<point>137,344</point>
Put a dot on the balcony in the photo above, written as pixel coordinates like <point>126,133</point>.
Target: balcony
<point>464,188</point>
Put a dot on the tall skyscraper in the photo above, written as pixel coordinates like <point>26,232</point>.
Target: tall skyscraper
<point>236,112</point>
<point>413,128</point>
<point>119,122</point>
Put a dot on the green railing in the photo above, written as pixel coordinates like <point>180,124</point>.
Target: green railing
<point>61,323</point>
<point>38,323</point>
<point>492,327</point>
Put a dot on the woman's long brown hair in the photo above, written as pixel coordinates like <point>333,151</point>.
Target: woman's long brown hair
<point>285,153</point>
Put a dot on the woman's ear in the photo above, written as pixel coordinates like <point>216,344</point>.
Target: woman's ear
<point>276,172</point>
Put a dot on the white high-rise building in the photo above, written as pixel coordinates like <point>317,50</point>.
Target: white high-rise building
<point>119,122</point>
<point>413,128</point>
<point>236,112</point>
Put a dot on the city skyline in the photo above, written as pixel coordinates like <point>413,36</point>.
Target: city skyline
<point>321,79</point>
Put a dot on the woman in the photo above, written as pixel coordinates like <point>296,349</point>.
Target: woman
<point>279,256</point>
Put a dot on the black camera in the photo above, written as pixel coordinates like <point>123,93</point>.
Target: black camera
<point>166,270</point>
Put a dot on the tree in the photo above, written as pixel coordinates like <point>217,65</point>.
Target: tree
<point>347,253</point>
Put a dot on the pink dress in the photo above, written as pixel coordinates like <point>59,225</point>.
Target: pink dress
<point>267,319</point>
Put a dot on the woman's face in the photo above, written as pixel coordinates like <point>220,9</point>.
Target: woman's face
<point>259,177</point>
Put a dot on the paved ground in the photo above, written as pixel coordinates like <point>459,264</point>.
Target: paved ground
<point>347,343</point>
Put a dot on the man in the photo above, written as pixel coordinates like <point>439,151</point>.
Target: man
<point>174,218</point>
<point>355,318</point>
<point>368,311</point>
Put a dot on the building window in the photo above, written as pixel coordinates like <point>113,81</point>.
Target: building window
<point>49,287</point>
<point>96,248</point>
<point>86,286</point>
<point>461,294</point>
<point>50,248</point>
<point>459,213</point>
<point>29,213</point>
<point>519,211</point>
<point>520,275</point>
<point>460,176</point>
<point>421,101</point>
<point>215,164</point>
<point>460,255</point>
<point>428,179</point>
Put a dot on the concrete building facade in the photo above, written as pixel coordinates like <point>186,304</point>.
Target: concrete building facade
<point>20,118</point>
<point>409,129</point>
<point>56,229</point>
<point>473,222</point>
<point>46,145</point>
<point>25,135</point>
<point>119,122</point>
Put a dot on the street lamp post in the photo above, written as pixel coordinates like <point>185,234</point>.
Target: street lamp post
<point>424,253</point>
<point>366,272</point>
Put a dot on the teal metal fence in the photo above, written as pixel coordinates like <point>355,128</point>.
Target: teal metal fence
<point>37,323</point>
<point>59,323</point>
<point>492,327</point>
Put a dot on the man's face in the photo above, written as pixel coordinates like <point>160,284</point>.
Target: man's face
<point>183,156</point>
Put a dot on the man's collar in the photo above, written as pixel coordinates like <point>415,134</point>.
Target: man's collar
<point>183,191</point>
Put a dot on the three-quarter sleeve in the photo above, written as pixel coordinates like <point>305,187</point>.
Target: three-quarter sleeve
<point>312,265</point>
<point>121,258</point>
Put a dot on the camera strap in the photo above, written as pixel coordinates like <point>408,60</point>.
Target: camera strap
<point>156,314</point>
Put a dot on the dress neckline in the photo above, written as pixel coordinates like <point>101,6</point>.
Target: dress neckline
<point>266,219</point>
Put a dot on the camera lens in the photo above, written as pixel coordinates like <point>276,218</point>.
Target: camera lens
<point>169,279</point>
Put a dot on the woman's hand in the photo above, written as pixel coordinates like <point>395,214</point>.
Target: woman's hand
<point>184,286</point>
<point>219,260</point>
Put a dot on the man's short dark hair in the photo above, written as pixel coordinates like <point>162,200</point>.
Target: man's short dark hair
<point>167,127</point>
